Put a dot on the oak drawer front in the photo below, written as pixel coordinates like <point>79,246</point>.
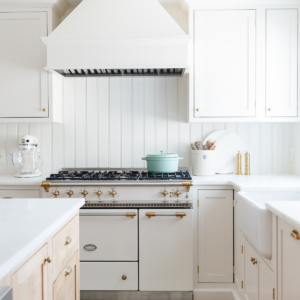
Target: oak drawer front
<point>108,235</point>
<point>111,276</point>
<point>13,193</point>
<point>64,240</point>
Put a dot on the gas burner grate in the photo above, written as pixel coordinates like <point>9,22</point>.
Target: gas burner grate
<point>137,205</point>
<point>119,175</point>
<point>165,176</point>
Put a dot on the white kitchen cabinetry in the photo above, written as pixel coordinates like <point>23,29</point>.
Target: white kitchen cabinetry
<point>162,241</point>
<point>225,63</point>
<point>215,235</point>
<point>28,93</point>
<point>20,193</point>
<point>258,280</point>
<point>288,262</point>
<point>281,63</point>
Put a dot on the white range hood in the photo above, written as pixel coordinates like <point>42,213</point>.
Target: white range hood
<point>118,38</point>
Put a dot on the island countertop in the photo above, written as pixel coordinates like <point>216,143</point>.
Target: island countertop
<point>26,223</point>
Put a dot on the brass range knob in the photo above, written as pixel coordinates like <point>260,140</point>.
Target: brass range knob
<point>113,193</point>
<point>48,259</point>
<point>70,193</point>
<point>56,193</point>
<point>68,270</point>
<point>124,277</point>
<point>98,193</point>
<point>164,193</point>
<point>177,193</point>
<point>84,193</point>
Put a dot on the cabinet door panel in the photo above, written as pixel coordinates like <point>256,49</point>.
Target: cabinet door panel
<point>225,63</point>
<point>215,235</point>
<point>281,63</point>
<point>288,263</point>
<point>24,82</point>
<point>266,281</point>
<point>30,281</point>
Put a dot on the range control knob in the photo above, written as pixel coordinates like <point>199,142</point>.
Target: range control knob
<point>84,193</point>
<point>164,193</point>
<point>177,193</point>
<point>113,193</point>
<point>56,193</point>
<point>70,193</point>
<point>98,193</point>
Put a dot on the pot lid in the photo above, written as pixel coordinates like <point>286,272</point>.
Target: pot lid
<point>162,155</point>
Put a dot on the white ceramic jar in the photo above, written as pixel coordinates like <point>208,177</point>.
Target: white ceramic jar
<point>203,162</point>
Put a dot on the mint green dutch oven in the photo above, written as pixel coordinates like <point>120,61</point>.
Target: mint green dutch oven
<point>162,163</point>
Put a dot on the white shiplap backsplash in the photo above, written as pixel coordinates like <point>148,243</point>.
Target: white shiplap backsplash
<point>115,122</point>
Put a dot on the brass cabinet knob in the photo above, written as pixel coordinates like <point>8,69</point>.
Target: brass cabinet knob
<point>177,193</point>
<point>98,193</point>
<point>68,270</point>
<point>254,262</point>
<point>68,240</point>
<point>269,109</point>
<point>113,193</point>
<point>197,109</point>
<point>48,259</point>
<point>70,193</point>
<point>295,235</point>
<point>252,259</point>
<point>84,193</point>
<point>165,193</point>
<point>124,277</point>
<point>56,193</point>
<point>44,109</point>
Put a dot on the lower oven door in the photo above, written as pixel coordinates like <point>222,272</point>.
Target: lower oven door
<point>166,250</point>
<point>108,234</point>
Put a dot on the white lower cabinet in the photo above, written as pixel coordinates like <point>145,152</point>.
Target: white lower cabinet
<point>24,193</point>
<point>109,276</point>
<point>288,262</point>
<point>258,280</point>
<point>165,250</point>
<point>215,235</point>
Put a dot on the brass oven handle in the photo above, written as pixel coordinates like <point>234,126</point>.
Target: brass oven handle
<point>68,240</point>
<point>295,235</point>
<point>111,214</point>
<point>166,214</point>
<point>68,270</point>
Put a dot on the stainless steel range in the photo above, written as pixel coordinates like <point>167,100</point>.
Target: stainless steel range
<point>135,231</point>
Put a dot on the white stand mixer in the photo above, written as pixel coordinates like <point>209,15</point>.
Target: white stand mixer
<point>27,161</point>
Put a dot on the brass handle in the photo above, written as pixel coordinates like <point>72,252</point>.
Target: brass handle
<point>165,193</point>
<point>124,277</point>
<point>44,109</point>
<point>7,197</point>
<point>98,193</point>
<point>254,262</point>
<point>177,193</point>
<point>188,184</point>
<point>56,193</point>
<point>48,259</point>
<point>84,193</point>
<point>269,109</point>
<point>166,214</point>
<point>129,214</point>
<point>68,240</point>
<point>180,215</point>
<point>113,193</point>
<point>295,235</point>
<point>70,193</point>
<point>68,270</point>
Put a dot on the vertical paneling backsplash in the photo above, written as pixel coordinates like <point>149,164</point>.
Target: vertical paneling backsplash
<point>115,122</point>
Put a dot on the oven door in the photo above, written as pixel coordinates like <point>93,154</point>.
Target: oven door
<point>108,234</point>
<point>166,250</point>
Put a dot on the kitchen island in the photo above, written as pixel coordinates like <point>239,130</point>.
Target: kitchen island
<point>39,246</point>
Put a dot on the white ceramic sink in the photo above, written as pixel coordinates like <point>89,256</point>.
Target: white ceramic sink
<point>255,221</point>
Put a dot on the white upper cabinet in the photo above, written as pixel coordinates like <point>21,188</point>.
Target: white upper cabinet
<point>24,82</point>
<point>281,63</point>
<point>224,63</point>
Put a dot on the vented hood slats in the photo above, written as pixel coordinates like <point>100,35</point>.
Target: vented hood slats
<point>120,72</point>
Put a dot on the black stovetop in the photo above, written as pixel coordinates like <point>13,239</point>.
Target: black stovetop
<point>118,175</point>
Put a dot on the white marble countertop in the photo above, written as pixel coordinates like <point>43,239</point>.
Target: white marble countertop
<point>26,223</point>
<point>288,211</point>
<point>267,182</point>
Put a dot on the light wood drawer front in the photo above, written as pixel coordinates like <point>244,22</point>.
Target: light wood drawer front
<point>108,276</point>
<point>64,240</point>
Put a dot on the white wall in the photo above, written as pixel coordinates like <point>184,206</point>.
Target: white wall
<point>296,148</point>
<point>115,122</point>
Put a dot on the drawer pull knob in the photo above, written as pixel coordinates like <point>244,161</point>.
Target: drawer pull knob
<point>68,240</point>
<point>253,260</point>
<point>68,270</point>
<point>124,277</point>
<point>295,235</point>
<point>48,259</point>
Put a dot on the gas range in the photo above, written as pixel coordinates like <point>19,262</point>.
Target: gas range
<point>120,188</point>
